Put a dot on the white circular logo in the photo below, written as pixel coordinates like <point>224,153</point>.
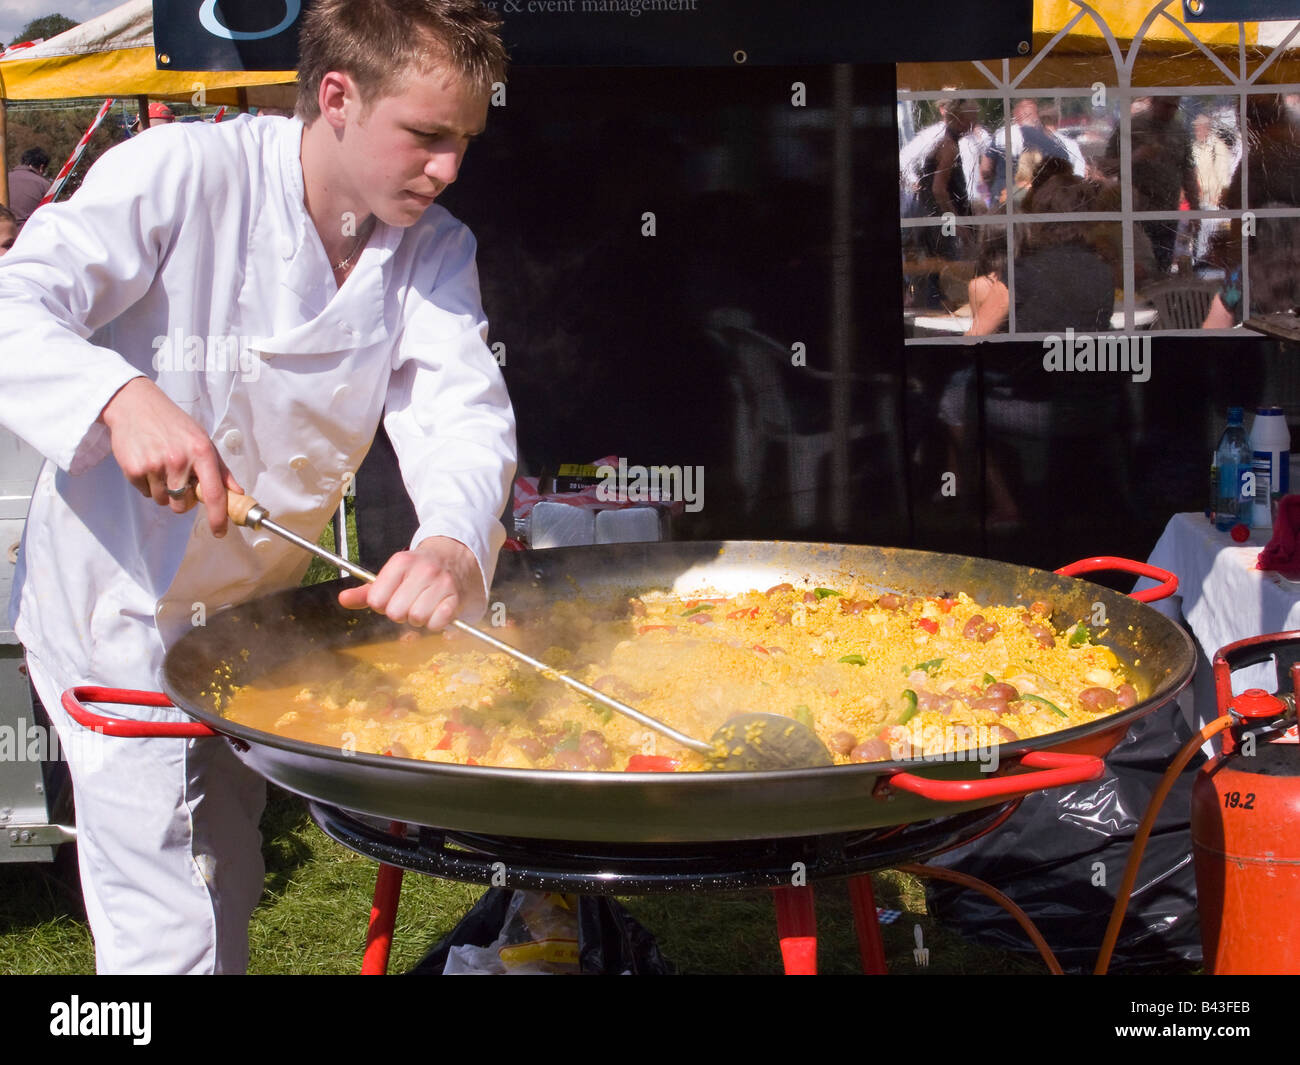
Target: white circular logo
<point>209,21</point>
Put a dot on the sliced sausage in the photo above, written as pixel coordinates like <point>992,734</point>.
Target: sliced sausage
<point>1097,699</point>
<point>595,749</point>
<point>570,759</point>
<point>873,750</point>
<point>843,743</point>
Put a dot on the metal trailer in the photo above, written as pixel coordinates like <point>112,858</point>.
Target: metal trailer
<point>35,789</point>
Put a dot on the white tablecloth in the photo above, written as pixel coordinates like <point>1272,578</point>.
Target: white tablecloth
<point>1223,597</point>
<point>957,324</point>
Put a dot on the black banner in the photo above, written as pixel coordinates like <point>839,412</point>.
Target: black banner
<point>263,34</point>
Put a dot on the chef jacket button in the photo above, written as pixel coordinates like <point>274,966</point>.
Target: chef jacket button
<point>298,462</point>
<point>345,327</point>
<point>286,248</point>
<point>340,393</point>
<point>262,543</point>
<point>233,440</point>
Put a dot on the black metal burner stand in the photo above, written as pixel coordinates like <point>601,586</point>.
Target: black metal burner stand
<point>787,866</point>
<point>649,868</point>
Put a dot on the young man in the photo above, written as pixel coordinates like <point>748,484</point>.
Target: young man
<point>236,306</point>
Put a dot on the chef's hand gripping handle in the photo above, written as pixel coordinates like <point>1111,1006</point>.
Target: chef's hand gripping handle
<point>1168,582</point>
<point>1053,769</point>
<point>117,726</point>
<point>241,509</point>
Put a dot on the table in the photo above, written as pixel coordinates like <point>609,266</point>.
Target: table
<point>1222,598</point>
<point>956,324</point>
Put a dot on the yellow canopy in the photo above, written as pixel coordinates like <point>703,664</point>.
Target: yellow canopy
<point>113,55</point>
<point>1149,45</point>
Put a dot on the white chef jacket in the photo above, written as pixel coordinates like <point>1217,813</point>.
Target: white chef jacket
<point>184,248</point>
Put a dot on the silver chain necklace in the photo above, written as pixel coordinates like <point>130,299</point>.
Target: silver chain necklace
<point>362,237</point>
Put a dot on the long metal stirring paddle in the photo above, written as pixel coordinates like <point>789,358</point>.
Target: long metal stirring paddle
<point>745,741</point>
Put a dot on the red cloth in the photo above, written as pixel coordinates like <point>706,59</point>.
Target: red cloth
<point>1282,553</point>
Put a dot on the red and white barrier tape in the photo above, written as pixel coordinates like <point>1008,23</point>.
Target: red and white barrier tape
<point>62,176</point>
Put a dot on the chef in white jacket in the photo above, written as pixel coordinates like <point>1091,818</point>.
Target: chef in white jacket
<point>238,305</point>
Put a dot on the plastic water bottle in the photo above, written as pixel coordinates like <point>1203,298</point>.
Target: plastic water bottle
<point>1234,499</point>
<point>1270,442</point>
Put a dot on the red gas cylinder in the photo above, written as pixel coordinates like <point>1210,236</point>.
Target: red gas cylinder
<point>1246,836</point>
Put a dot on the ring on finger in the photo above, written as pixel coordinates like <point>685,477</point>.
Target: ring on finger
<point>178,493</point>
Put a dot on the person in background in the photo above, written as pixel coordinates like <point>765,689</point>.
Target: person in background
<point>987,291</point>
<point>8,229</point>
<point>941,190</point>
<point>1028,134</point>
<point>1274,275</point>
<point>159,115</point>
<point>1163,171</point>
<point>915,155</point>
<point>1214,164</point>
<point>1050,116</point>
<point>1063,276</point>
<point>28,184</point>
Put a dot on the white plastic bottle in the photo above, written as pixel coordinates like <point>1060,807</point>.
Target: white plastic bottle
<point>1270,441</point>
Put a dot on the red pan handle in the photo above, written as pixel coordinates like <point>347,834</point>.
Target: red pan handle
<point>1168,582</point>
<point>116,726</point>
<point>1055,768</point>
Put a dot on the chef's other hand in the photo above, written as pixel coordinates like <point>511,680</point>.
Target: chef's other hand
<point>426,587</point>
<point>160,447</point>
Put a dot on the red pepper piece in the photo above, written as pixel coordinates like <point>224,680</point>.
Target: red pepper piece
<point>652,763</point>
<point>929,624</point>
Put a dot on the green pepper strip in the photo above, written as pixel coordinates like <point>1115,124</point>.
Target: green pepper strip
<point>696,609</point>
<point>909,707</point>
<point>1046,702</point>
<point>854,660</point>
<point>822,593</point>
<point>989,679</point>
<point>930,666</point>
<point>803,715</point>
<point>1079,636</point>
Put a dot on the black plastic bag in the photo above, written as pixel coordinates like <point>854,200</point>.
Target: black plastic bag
<point>610,940</point>
<point>1061,858</point>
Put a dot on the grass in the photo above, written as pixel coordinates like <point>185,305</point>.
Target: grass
<point>312,917</point>
<point>313,913</point>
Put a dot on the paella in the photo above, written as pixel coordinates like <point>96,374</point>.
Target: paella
<point>877,676</point>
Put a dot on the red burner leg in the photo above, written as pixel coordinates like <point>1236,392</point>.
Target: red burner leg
<point>383,915</point>
<point>796,924</point>
<point>865,921</point>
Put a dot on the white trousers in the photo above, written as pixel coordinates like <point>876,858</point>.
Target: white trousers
<point>167,839</point>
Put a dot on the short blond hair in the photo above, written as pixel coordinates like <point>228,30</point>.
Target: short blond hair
<point>378,42</point>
